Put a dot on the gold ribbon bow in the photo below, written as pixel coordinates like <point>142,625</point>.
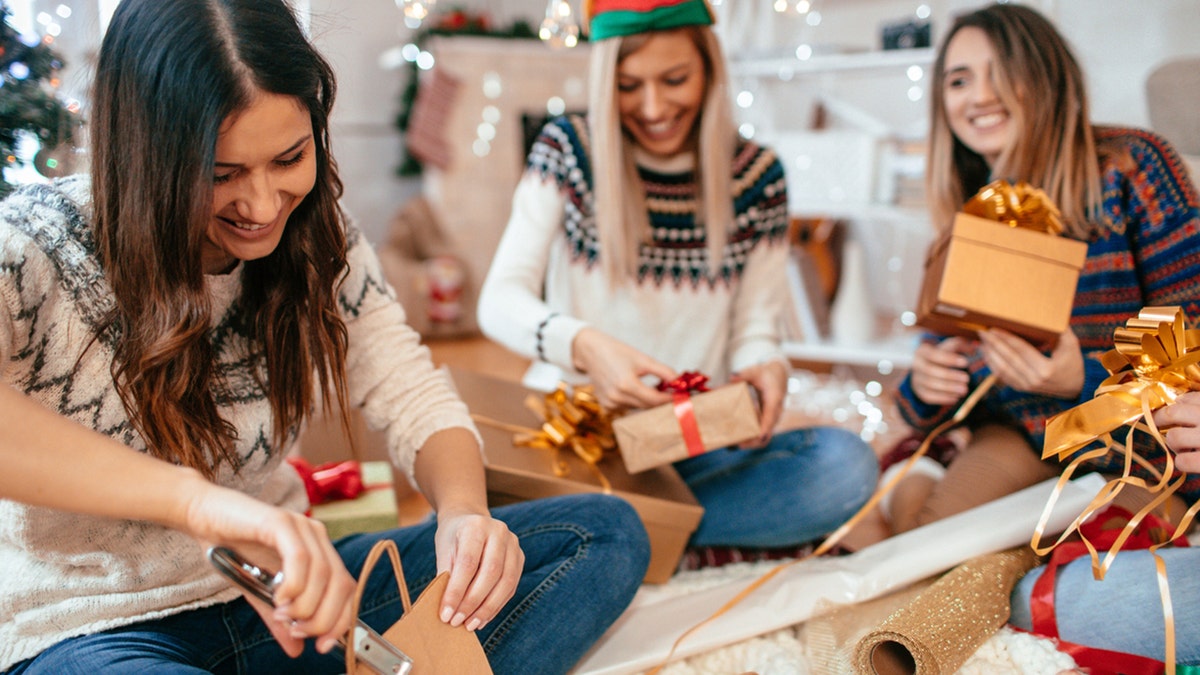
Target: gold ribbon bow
<point>1154,360</point>
<point>572,420</point>
<point>1019,205</point>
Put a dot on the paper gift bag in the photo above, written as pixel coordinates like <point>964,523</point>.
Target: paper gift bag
<point>516,473</point>
<point>667,433</point>
<point>1009,270</point>
<point>435,647</point>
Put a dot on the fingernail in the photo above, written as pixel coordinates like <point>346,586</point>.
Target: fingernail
<point>297,633</point>
<point>475,623</point>
<point>447,612</point>
<point>458,619</point>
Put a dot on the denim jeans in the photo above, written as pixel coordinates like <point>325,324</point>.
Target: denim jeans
<point>585,556</point>
<point>801,485</point>
<point>1123,612</point>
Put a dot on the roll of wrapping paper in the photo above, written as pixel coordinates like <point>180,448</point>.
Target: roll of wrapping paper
<point>946,623</point>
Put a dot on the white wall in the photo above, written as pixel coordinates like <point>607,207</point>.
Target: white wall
<point>1118,42</point>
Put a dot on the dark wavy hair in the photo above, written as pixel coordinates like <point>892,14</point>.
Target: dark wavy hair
<point>169,73</point>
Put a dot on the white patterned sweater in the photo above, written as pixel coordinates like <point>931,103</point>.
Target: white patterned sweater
<point>62,574</point>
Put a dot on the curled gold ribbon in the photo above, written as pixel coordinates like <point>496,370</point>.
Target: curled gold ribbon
<point>1154,360</point>
<point>572,420</point>
<point>1016,205</point>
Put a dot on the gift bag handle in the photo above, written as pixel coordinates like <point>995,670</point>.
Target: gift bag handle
<point>382,546</point>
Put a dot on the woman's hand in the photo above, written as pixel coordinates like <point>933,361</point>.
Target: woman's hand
<point>315,596</point>
<point>1180,422</point>
<point>616,369</point>
<point>939,371</point>
<point>770,380</point>
<point>485,562</point>
<point>1024,367</point>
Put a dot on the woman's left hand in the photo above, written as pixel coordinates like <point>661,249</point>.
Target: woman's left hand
<point>485,562</point>
<point>770,379</point>
<point>1024,367</point>
<point>1180,425</point>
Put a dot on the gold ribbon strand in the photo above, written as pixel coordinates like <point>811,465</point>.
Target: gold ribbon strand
<point>1154,360</point>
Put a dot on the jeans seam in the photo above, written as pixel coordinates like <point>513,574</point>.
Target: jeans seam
<point>552,579</point>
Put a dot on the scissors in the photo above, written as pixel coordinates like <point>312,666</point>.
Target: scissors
<point>371,648</point>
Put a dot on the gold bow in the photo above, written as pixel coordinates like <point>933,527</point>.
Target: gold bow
<point>1019,205</point>
<point>571,419</point>
<point>1153,361</point>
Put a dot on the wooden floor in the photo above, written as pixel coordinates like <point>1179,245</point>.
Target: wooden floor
<point>480,355</point>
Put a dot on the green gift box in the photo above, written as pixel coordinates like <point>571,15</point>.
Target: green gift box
<point>373,510</point>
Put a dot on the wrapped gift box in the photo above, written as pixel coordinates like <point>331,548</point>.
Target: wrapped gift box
<point>667,508</point>
<point>650,438</point>
<point>373,510</point>
<point>984,274</point>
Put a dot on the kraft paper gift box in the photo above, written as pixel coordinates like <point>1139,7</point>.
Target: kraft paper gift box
<point>723,416</point>
<point>986,274</point>
<point>373,510</point>
<point>515,473</point>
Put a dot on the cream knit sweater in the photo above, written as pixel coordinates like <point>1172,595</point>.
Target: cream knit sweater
<point>62,574</point>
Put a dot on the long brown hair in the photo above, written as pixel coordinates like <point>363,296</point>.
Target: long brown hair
<point>168,74</point>
<point>621,215</point>
<point>1040,83</point>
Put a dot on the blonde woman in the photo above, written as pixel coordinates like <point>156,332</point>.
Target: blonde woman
<point>648,239</point>
<point>1009,102</point>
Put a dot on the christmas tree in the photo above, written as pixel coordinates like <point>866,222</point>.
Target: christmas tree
<point>28,100</point>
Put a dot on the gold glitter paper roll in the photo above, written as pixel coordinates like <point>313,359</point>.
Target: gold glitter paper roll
<point>939,630</point>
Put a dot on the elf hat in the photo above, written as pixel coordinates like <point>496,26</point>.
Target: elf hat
<point>614,18</point>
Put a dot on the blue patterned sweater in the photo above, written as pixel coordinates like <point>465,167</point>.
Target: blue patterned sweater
<point>1148,254</point>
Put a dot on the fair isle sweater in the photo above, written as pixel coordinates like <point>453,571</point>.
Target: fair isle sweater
<point>1149,254</point>
<point>545,283</point>
<point>65,574</point>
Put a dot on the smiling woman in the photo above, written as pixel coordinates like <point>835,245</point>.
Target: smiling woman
<point>265,166</point>
<point>168,325</point>
<point>647,239</point>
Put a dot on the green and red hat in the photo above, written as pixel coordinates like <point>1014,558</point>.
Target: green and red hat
<point>614,18</point>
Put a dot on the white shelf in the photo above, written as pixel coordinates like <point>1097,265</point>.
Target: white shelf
<point>857,211</point>
<point>896,352</point>
<point>785,66</point>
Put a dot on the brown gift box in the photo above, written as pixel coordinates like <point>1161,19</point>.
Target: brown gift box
<point>985,274</point>
<point>667,508</point>
<point>649,438</point>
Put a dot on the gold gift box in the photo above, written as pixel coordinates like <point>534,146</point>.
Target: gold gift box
<point>665,504</point>
<point>649,438</point>
<point>984,274</point>
<point>373,510</point>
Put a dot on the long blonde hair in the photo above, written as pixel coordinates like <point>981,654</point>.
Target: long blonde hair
<point>622,219</point>
<point>1042,86</point>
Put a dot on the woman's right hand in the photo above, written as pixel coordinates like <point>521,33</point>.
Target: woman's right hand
<point>315,596</point>
<point>616,371</point>
<point>939,371</point>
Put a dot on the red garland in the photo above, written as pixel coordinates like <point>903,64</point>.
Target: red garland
<point>681,389</point>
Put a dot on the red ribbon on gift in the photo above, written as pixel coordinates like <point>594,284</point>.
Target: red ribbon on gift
<point>1103,532</point>
<point>681,389</point>
<point>329,482</point>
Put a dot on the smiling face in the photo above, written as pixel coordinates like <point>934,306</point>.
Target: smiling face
<point>974,110</point>
<point>265,165</point>
<point>660,91</point>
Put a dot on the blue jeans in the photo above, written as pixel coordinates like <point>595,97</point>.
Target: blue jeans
<point>801,485</point>
<point>1123,612</point>
<point>585,556</point>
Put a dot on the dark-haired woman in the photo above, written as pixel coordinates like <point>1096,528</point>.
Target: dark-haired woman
<point>169,322</point>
